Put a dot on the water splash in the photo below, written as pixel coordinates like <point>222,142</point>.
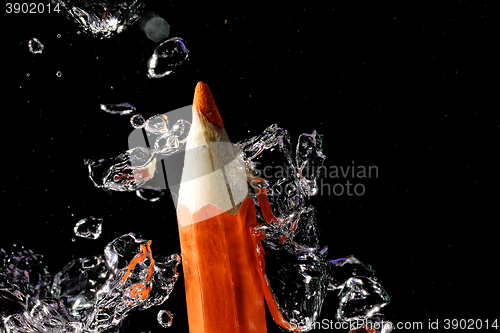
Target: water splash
<point>101,19</point>
<point>89,227</point>
<point>89,295</point>
<point>120,108</point>
<point>35,46</point>
<point>129,171</point>
<point>282,178</point>
<point>296,266</point>
<point>174,53</point>
<point>360,297</point>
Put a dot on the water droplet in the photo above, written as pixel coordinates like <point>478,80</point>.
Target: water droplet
<point>127,172</point>
<point>90,228</point>
<point>137,121</point>
<point>59,74</point>
<point>181,130</point>
<point>35,46</point>
<point>154,26</point>
<point>167,57</point>
<point>157,124</point>
<point>58,35</point>
<point>151,195</point>
<point>165,318</point>
<point>166,142</point>
<point>120,108</point>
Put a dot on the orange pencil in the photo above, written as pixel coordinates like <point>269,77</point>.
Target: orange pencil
<point>216,214</point>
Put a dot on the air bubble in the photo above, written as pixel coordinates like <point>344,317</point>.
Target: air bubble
<point>151,195</point>
<point>35,46</point>
<point>120,108</point>
<point>137,121</point>
<point>90,228</point>
<point>165,318</point>
<point>167,57</point>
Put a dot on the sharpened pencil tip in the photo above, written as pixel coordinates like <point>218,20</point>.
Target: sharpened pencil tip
<point>204,102</point>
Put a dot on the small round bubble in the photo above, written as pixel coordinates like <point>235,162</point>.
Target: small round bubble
<point>165,318</point>
<point>137,121</point>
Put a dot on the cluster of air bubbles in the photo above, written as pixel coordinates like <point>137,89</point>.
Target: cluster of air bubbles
<point>287,223</point>
<point>90,294</point>
<point>290,235</point>
<point>168,56</point>
<point>35,46</point>
<point>101,19</point>
<point>132,169</point>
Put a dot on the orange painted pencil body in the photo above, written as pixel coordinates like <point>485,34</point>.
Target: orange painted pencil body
<point>222,256</point>
<point>223,287</point>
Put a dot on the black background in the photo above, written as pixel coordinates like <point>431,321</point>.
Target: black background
<point>407,88</point>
